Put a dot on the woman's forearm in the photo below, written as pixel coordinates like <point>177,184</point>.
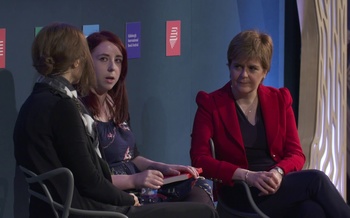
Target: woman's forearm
<point>123,182</point>
<point>143,163</point>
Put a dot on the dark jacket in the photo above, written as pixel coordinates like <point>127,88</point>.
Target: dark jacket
<point>50,133</point>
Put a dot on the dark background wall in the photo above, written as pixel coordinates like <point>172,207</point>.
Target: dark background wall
<point>292,51</point>
<point>161,89</point>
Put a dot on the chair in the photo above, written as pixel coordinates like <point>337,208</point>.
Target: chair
<point>255,213</point>
<point>66,209</point>
<point>3,194</point>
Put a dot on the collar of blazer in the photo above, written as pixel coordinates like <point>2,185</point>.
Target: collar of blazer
<point>270,107</point>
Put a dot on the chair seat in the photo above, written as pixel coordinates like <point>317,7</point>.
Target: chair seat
<point>226,211</point>
<point>58,208</point>
<point>231,212</point>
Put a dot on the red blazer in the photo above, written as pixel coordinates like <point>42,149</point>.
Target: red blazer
<point>216,118</point>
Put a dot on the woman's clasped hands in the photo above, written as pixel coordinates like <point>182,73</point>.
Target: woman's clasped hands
<point>268,182</point>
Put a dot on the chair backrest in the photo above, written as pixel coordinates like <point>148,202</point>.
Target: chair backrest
<point>257,212</point>
<point>65,209</point>
<point>3,194</point>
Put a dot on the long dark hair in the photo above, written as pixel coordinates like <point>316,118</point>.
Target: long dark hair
<point>118,93</point>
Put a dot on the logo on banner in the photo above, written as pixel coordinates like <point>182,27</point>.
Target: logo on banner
<point>173,38</point>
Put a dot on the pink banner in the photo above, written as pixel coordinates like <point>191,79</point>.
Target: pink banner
<point>2,47</point>
<point>173,38</point>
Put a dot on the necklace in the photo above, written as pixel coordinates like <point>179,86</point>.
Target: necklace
<point>251,106</point>
<point>249,112</point>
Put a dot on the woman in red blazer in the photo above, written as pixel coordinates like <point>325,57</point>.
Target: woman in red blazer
<point>256,140</point>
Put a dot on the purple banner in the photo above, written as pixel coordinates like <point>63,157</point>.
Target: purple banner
<point>133,39</point>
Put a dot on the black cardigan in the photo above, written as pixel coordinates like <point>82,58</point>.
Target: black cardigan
<point>49,133</point>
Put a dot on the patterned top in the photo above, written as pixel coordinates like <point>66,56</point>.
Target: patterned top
<point>117,143</point>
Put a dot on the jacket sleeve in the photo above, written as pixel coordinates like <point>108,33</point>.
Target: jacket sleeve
<point>200,152</point>
<point>75,151</point>
<point>291,155</point>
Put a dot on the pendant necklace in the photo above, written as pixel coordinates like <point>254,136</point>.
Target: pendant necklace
<point>249,110</point>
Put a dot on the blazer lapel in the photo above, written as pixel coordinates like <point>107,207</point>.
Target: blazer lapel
<point>270,111</point>
<point>227,112</point>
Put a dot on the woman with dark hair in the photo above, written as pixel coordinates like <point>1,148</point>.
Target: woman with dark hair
<point>53,130</point>
<point>108,104</point>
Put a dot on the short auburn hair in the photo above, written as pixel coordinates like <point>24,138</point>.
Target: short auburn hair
<point>251,44</point>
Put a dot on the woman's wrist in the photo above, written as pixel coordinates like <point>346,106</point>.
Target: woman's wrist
<point>241,174</point>
<point>246,175</point>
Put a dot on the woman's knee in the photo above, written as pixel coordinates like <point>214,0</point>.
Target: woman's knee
<point>313,175</point>
<point>317,173</point>
<point>199,195</point>
<point>318,176</point>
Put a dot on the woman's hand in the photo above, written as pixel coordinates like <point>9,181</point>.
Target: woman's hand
<point>137,203</point>
<point>267,182</point>
<point>148,178</point>
<point>144,164</point>
<point>173,169</point>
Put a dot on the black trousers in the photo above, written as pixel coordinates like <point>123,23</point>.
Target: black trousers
<point>303,194</point>
<point>41,209</point>
<point>173,210</point>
